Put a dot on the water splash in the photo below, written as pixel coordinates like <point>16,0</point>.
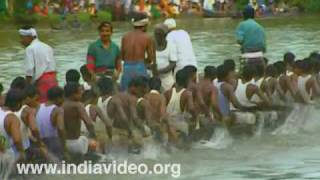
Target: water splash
<point>6,165</point>
<point>261,117</point>
<point>151,150</point>
<point>221,139</point>
<point>300,118</point>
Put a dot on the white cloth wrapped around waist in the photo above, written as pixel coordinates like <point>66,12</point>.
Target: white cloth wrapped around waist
<point>245,118</point>
<point>180,122</point>
<point>252,55</point>
<point>78,146</point>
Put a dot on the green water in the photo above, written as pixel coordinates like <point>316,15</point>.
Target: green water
<point>292,156</point>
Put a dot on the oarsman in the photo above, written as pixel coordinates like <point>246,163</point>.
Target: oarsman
<point>285,83</point>
<point>74,113</point>
<point>10,134</point>
<point>27,117</point>
<point>138,87</point>
<point>157,108</point>
<point>277,95</point>
<point>261,83</point>
<point>180,108</point>
<point>246,90</point>
<point>210,96</point>
<point>226,95</point>
<point>306,82</point>
<point>50,121</point>
<point>103,125</point>
<point>203,112</point>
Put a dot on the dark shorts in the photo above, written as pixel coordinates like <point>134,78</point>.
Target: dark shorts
<point>130,71</point>
<point>255,61</point>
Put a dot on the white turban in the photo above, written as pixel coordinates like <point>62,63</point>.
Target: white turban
<point>141,22</point>
<point>170,23</point>
<point>28,32</point>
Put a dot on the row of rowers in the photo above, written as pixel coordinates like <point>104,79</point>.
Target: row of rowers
<point>81,119</point>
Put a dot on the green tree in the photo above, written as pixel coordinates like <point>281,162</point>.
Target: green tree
<point>306,5</point>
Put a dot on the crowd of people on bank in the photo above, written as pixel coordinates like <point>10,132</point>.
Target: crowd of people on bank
<point>153,8</point>
<point>160,97</point>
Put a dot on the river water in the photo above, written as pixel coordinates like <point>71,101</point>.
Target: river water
<point>293,155</point>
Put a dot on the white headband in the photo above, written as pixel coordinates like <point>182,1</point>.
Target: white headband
<point>28,32</point>
<point>141,22</point>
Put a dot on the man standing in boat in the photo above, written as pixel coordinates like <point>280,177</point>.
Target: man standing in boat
<point>251,37</point>
<point>134,46</point>
<point>182,45</point>
<point>103,56</point>
<point>39,63</point>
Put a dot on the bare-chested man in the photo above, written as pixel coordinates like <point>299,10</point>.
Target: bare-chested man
<point>134,46</point>
<point>277,95</point>
<point>116,107</point>
<point>287,84</point>
<point>138,87</point>
<point>157,107</point>
<point>209,94</point>
<point>121,110</point>
<point>74,113</point>
<point>196,92</point>
<point>201,110</point>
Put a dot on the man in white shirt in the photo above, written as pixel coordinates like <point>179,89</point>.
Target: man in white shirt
<point>182,43</point>
<point>39,63</point>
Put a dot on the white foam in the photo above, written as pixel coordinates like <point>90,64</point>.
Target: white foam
<point>302,117</point>
<point>221,139</point>
<point>6,165</point>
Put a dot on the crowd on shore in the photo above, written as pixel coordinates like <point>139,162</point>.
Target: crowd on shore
<point>153,8</point>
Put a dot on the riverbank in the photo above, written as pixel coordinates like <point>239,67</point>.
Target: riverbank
<point>83,21</point>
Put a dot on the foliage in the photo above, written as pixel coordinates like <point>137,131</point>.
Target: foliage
<point>83,17</point>
<point>240,4</point>
<point>306,5</point>
<point>104,16</point>
<point>23,18</point>
<point>4,17</point>
<point>20,6</point>
<point>54,19</point>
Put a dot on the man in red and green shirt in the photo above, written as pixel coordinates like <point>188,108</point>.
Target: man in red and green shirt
<point>103,57</point>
